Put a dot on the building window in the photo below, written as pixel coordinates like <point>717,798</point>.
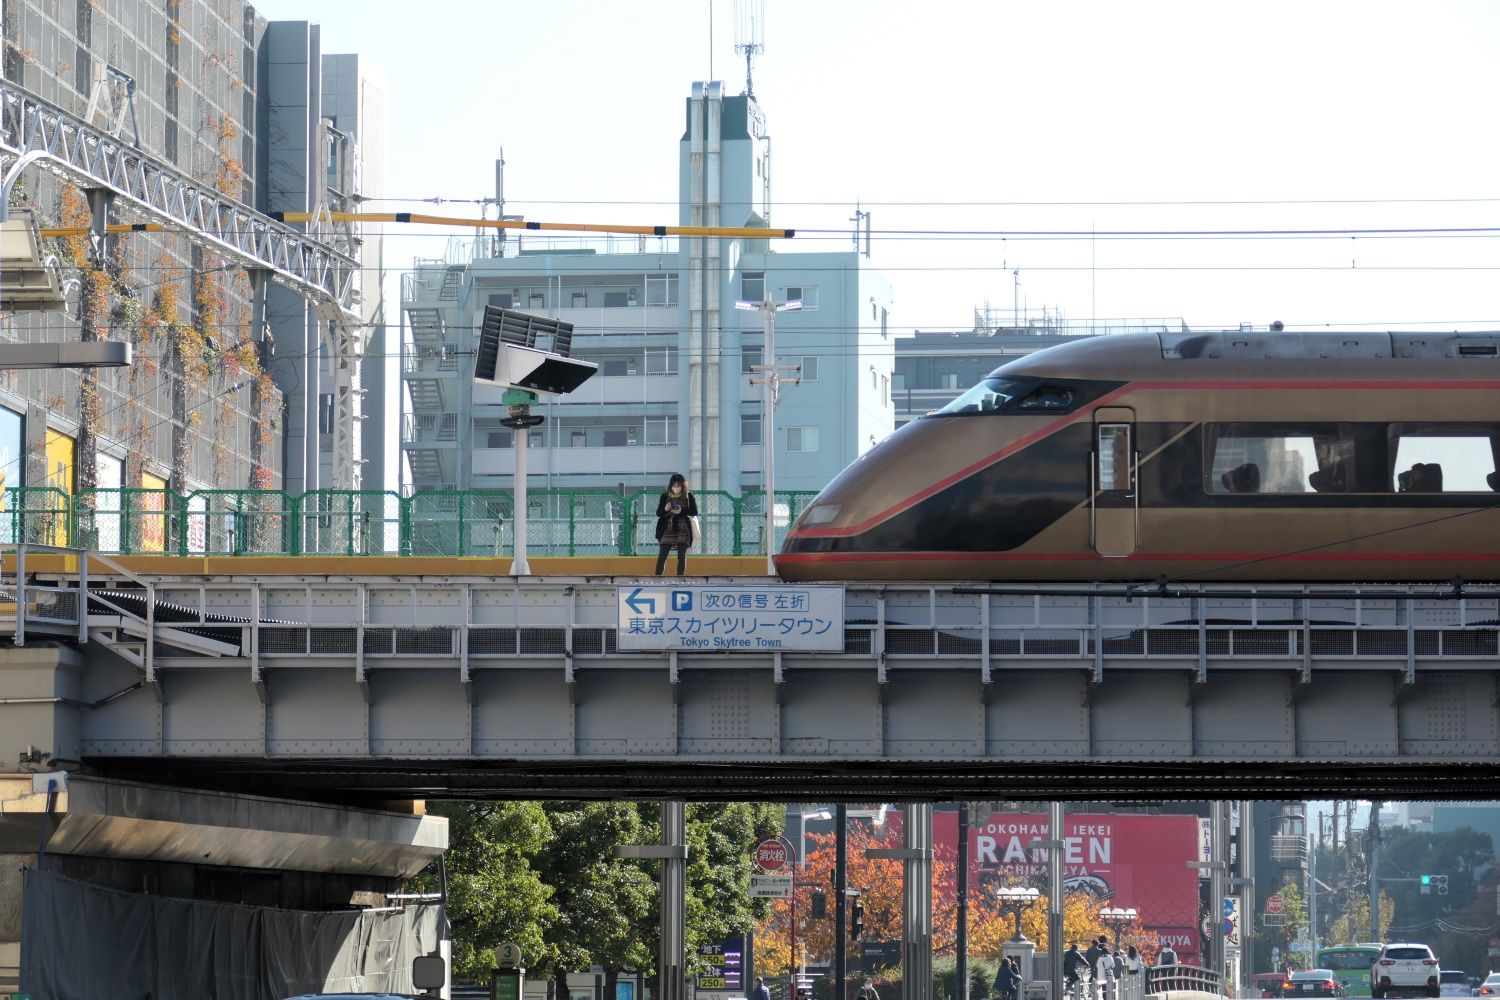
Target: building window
<point>661,361</point>
<point>801,439</point>
<point>899,381</point>
<point>536,439</point>
<point>948,380</point>
<point>580,300</point>
<point>661,289</point>
<point>502,300</point>
<point>615,438</point>
<point>750,429</point>
<point>750,357</point>
<point>753,286</point>
<point>809,366</point>
<point>498,439</point>
<point>807,294</point>
<point>661,430</point>
<point>578,439</point>
<point>616,300</point>
<point>614,367</point>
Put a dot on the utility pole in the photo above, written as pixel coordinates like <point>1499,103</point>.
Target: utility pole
<point>1374,841</point>
<point>961,991</point>
<point>840,892</point>
<point>768,376</point>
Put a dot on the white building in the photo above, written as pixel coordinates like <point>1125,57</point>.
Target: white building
<point>673,393</point>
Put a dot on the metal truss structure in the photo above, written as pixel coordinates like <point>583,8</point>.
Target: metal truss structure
<point>476,686</point>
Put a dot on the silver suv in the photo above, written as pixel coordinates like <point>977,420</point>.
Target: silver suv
<point>1405,969</point>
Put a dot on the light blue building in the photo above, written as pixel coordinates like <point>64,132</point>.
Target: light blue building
<point>674,390</point>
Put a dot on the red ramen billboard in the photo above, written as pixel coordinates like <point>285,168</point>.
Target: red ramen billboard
<point>1138,861</point>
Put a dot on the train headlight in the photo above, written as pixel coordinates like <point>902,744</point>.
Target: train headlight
<point>821,514</point>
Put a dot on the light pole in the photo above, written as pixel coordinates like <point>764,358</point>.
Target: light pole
<point>1118,918</point>
<point>1015,900</point>
<point>803,817</point>
<point>768,377</point>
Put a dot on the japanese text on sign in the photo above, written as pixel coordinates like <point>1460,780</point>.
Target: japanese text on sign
<point>731,618</point>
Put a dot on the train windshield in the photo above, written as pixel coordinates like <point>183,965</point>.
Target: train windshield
<point>989,396</point>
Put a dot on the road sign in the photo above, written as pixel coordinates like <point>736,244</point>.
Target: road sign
<point>730,619</point>
<point>770,886</point>
<point>1275,904</point>
<point>775,856</point>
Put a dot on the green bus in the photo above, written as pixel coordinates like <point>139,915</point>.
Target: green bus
<point>1351,965</point>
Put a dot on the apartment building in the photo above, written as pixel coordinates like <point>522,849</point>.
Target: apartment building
<point>674,390</point>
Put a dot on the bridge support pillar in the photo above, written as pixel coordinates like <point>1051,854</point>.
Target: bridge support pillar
<point>916,918</point>
<point>673,900</point>
<point>40,706</point>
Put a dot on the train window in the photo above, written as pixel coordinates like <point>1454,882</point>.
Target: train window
<point>1244,458</point>
<point>1048,397</point>
<point>1116,471</point>
<point>988,396</point>
<point>1444,458</point>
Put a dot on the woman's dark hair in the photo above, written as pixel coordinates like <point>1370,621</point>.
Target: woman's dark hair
<point>677,477</point>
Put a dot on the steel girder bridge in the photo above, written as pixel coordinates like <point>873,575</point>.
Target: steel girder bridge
<point>380,687</point>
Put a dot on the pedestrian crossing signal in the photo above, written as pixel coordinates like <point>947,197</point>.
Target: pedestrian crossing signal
<point>856,919</point>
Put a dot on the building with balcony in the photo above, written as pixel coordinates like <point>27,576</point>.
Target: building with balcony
<point>675,357</point>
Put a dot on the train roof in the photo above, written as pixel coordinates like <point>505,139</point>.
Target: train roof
<point>1250,352</point>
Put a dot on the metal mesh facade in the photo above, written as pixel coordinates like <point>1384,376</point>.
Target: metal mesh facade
<point>191,409</point>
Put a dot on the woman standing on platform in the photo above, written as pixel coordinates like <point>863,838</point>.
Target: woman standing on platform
<point>674,527</point>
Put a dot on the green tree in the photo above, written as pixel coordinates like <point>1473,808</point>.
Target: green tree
<point>1455,924</point>
<point>494,894</point>
<point>601,902</point>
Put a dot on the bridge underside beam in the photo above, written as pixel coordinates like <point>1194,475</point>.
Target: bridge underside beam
<point>848,781</point>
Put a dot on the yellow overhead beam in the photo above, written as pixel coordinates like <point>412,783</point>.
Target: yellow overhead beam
<point>721,232</point>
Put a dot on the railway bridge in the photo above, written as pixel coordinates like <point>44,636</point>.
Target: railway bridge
<point>377,678</point>
<point>365,680</point>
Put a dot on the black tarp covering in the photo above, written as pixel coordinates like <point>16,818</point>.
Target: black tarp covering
<point>80,942</point>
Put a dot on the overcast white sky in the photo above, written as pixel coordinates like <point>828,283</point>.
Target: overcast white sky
<point>989,116</point>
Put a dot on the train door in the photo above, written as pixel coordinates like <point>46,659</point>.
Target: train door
<point>1115,506</point>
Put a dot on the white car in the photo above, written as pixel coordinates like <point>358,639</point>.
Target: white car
<point>1405,969</point>
<point>1490,987</point>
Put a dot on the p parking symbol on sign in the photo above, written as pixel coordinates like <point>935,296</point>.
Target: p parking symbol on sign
<point>682,600</point>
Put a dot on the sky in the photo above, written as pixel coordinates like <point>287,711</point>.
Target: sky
<point>959,125</point>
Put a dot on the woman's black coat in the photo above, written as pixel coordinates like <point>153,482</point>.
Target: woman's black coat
<point>664,519</point>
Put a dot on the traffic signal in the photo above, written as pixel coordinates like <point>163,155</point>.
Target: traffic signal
<point>856,918</point>
<point>819,905</point>
<point>1442,885</point>
<point>1426,884</point>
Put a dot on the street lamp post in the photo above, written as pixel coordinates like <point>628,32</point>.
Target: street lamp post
<point>1015,900</point>
<point>768,377</point>
<point>1118,918</point>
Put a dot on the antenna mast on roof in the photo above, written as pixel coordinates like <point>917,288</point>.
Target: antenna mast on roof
<point>749,35</point>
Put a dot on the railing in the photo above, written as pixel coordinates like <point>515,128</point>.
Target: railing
<point>1166,978</point>
<point>561,522</point>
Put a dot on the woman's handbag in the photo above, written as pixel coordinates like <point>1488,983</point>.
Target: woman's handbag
<point>697,528</point>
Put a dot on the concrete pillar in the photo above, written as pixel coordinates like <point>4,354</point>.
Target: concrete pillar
<point>673,900</point>
<point>40,705</point>
<point>916,918</point>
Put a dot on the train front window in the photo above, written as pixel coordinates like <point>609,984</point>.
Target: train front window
<point>989,396</point>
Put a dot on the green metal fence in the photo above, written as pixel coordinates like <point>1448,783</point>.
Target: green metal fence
<point>560,522</point>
